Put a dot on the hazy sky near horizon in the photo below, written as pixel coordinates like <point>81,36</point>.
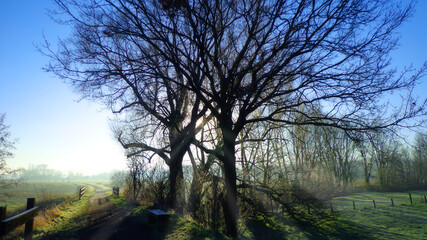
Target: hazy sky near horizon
<point>56,129</point>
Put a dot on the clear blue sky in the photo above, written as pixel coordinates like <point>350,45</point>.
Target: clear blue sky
<point>54,129</point>
<point>43,112</point>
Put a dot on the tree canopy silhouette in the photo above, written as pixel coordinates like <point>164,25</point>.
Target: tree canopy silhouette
<point>175,61</point>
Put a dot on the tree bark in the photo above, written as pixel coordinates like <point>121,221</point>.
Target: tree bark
<point>179,146</point>
<point>176,180</point>
<point>230,207</point>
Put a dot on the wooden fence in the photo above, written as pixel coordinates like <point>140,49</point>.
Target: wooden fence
<point>27,218</point>
<point>82,191</point>
<point>374,204</point>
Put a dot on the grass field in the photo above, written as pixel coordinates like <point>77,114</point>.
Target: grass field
<point>16,198</point>
<point>59,202</point>
<point>382,199</point>
<point>45,193</point>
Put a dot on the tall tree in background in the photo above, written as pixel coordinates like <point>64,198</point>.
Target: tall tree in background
<point>420,159</point>
<point>6,147</point>
<point>236,57</point>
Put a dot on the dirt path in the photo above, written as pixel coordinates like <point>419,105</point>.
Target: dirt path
<point>103,217</point>
<point>105,221</point>
<point>108,222</point>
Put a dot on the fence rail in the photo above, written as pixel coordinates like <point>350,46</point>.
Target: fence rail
<point>374,203</point>
<point>27,218</point>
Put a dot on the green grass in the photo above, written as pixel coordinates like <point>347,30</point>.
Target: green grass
<point>61,211</point>
<point>401,221</point>
<point>104,185</point>
<point>70,220</point>
<point>186,228</point>
<point>45,193</point>
<point>382,199</point>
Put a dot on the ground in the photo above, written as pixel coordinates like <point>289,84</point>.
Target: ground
<point>103,220</point>
<point>107,217</point>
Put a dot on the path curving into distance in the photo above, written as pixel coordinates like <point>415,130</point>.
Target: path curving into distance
<point>103,218</point>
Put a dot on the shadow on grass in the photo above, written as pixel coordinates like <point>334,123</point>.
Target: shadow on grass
<point>138,227</point>
<point>300,225</point>
<point>322,225</point>
<point>265,228</point>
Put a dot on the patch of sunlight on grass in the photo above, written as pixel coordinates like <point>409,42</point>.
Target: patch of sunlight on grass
<point>186,228</point>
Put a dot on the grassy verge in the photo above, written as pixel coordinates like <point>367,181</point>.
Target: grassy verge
<point>47,194</point>
<point>58,203</point>
<point>65,221</point>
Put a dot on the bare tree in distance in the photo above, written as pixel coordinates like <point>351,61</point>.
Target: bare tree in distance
<point>420,159</point>
<point>6,147</point>
<point>236,57</point>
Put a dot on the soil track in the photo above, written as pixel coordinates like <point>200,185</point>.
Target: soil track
<point>105,221</point>
<point>103,217</point>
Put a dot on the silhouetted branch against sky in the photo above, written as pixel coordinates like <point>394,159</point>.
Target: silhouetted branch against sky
<point>284,53</point>
<point>235,57</point>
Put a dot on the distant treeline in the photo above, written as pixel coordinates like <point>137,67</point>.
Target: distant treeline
<point>44,173</point>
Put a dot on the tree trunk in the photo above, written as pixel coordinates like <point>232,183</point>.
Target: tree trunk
<point>367,176</point>
<point>229,160</point>
<point>179,146</point>
<point>176,180</point>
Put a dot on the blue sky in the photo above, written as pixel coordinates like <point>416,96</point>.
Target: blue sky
<point>43,112</point>
<point>55,129</point>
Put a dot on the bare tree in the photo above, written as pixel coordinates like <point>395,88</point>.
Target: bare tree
<point>420,159</point>
<point>238,56</point>
<point>6,147</point>
<point>367,157</point>
<point>107,58</point>
<point>339,156</point>
<point>288,54</point>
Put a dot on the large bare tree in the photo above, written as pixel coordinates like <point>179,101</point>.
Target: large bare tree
<point>294,55</point>
<point>234,57</point>
<point>108,58</point>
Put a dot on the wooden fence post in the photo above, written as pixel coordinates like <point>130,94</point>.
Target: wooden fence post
<point>392,203</point>
<point>27,218</point>
<point>81,192</point>
<point>354,205</point>
<point>410,197</point>
<point>28,234</point>
<point>373,200</point>
<point>2,217</point>
<point>425,198</point>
